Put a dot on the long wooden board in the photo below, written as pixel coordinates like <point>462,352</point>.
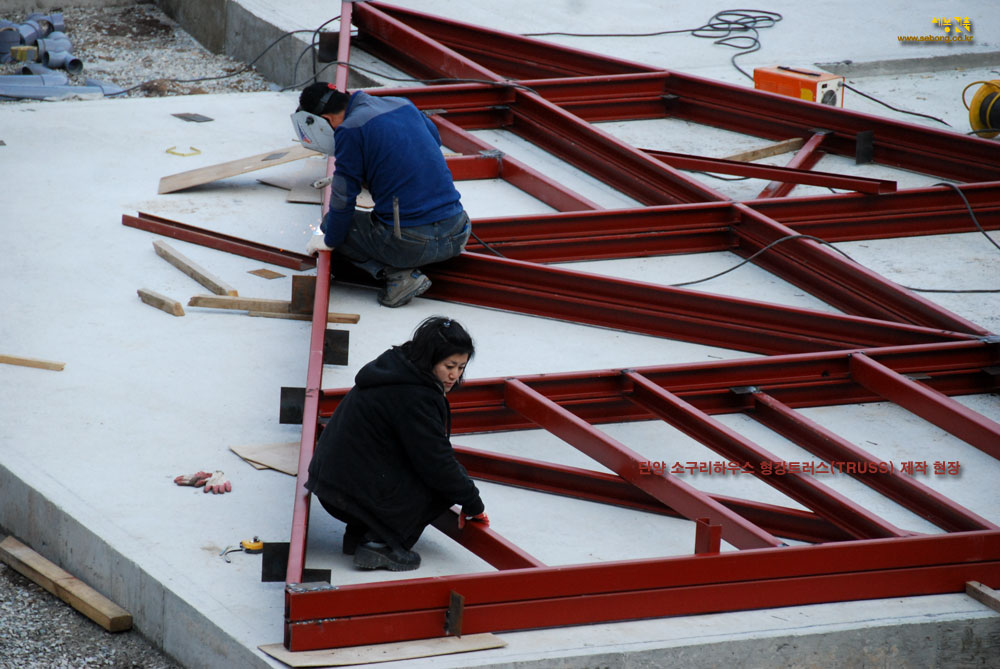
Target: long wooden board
<point>192,269</point>
<point>65,586</point>
<point>776,149</point>
<point>384,652</point>
<point>204,175</point>
<point>260,306</point>
<point>32,362</point>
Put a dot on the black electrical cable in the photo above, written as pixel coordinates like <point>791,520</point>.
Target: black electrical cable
<point>724,27</point>
<point>487,246</point>
<point>904,111</point>
<point>971,212</point>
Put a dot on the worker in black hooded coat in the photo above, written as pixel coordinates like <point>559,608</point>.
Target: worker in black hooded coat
<point>384,464</point>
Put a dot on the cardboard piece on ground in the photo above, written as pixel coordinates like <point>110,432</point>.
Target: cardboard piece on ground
<point>204,175</point>
<point>192,269</point>
<point>65,586</point>
<point>305,194</point>
<point>383,652</point>
<point>32,362</point>
<point>282,457</point>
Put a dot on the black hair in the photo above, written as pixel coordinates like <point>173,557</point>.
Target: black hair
<point>435,339</point>
<point>322,98</point>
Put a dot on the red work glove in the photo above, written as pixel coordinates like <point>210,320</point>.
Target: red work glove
<point>218,484</point>
<point>481,518</point>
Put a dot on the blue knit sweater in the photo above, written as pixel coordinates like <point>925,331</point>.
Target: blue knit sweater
<point>388,145</point>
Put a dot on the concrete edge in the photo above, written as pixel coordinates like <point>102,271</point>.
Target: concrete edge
<point>911,65</point>
<point>159,614</point>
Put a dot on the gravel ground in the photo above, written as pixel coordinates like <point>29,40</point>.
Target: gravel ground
<point>40,631</point>
<point>131,46</point>
<point>138,47</point>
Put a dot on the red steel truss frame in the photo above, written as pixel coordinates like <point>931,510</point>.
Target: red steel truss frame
<point>890,344</point>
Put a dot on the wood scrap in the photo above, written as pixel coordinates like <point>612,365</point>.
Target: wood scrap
<point>32,362</point>
<point>265,273</point>
<point>332,317</point>
<point>383,652</point>
<point>204,175</point>
<point>65,586</point>
<point>983,594</point>
<point>192,269</point>
<point>161,302</point>
<point>776,149</point>
<point>261,307</point>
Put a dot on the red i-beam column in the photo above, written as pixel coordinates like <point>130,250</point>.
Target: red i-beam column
<point>314,373</point>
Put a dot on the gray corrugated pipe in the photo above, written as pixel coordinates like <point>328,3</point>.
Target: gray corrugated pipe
<point>54,79</point>
<point>48,92</point>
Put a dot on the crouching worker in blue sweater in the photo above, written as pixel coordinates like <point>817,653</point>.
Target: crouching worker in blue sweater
<point>387,145</point>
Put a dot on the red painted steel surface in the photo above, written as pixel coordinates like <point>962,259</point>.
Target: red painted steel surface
<point>816,359</point>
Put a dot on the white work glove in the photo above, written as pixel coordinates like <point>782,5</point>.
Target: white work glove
<point>317,243</point>
<point>218,484</point>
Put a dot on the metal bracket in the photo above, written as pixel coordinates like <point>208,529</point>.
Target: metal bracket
<point>453,616</point>
<point>744,390</point>
<point>492,153</point>
<point>864,147</point>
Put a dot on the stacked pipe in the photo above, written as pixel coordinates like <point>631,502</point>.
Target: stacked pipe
<point>39,80</point>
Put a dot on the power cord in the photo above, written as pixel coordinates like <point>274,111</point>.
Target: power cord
<point>725,27</point>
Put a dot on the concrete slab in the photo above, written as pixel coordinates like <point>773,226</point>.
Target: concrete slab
<point>87,455</point>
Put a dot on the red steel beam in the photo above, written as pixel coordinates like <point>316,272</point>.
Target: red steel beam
<point>662,311</point>
<point>680,496</point>
<point>603,156</point>
<point>789,174</point>
<point>903,489</point>
<point>927,403</point>
<point>512,170</point>
<point>219,241</point>
<point>554,596</point>
<point>835,279</point>
<point>798,380</point>
<point>612,489</point>
<point>510,55</point>
<point>820,498</point>
<point>804,159</point>
<point>485,542</point>
<point>314,371</point>
<point>395,42</point>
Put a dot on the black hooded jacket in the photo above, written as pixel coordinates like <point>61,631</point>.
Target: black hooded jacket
<point>387,447</point>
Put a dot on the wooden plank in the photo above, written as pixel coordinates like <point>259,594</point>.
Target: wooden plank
<point>192,269</point>
<point>32,362</point>
<point>984,594</point>
<point>776,149</point>
<point>204,175</point>
<point>383,652</point>
<point>332,317</point>
<point>65,586</point>
<point>265,273</point>
<point>162,302</point>
<point>240,303</point>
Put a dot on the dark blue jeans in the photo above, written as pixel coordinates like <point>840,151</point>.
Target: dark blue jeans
<point>371,245</point>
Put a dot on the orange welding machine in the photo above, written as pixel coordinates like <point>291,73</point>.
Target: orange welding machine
<point>827,89</point>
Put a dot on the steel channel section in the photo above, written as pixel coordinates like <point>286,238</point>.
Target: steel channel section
<point>839,281</point>
<point>680,496</point>
<point>219,241</point>
<point>894,484</point>
<point>508,54</point>
<point>814,495</point>
<point>513,171</point>
<point>662,311</point>
<point>603,156</point>
<point>804,159</point>
<point>788,174</point>
<point>932,406</point>
<point>314,371</point>
<point>486,543</point>
<point>604,488</point>
<point>554,596</point>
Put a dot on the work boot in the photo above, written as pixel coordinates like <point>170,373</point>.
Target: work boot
<point>403,285</point>
<point>375,555</point>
